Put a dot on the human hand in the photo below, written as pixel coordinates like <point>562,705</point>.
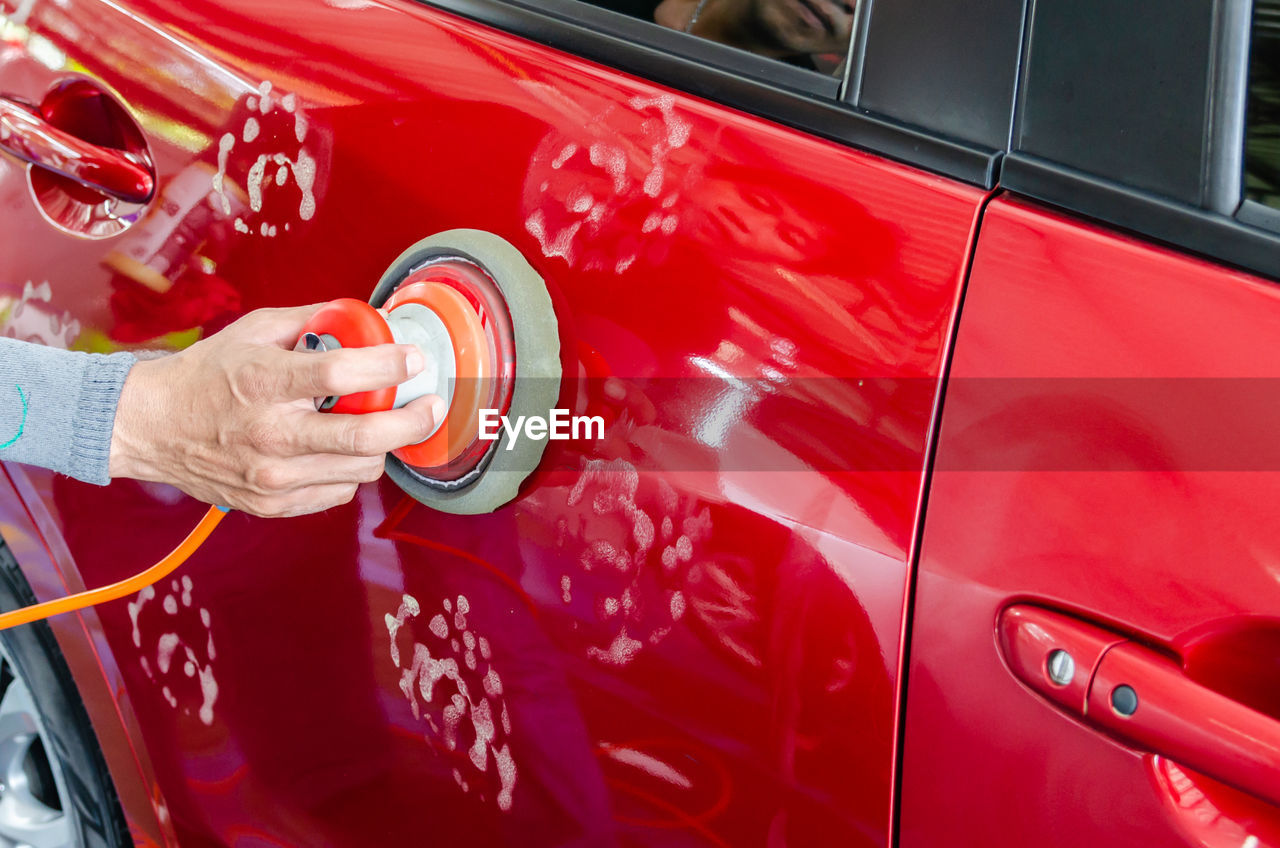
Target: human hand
<point>231,420</point>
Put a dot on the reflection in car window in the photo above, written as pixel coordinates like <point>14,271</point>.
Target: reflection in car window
<point>1262,144</point>
<point>811,34</point>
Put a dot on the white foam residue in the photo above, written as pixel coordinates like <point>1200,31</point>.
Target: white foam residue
<point>262,173</point>
<point>482,720</point>
<point>304,171</point>
<point>653,180</point>
<point>253,183</point>
<point>579,199</point>
<point>175,688</point>
<point>562,245</point>
<point>621,651</point>
<point>225,144</point>
<point>648,764</point>
<point>564,155</point>
<point>614,162</point>
<point>650,602</point>
<point>135,607</point>
<point>209,689</point>
<point>164,656</point>
<point>565,585</point>
<point>506,775</point>
<point>408,607</point>
<point>435,686</point>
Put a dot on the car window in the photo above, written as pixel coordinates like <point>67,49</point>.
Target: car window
<point>812,34</point>
<point>1262,139</point>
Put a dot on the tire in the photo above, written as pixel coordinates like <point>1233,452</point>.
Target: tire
<point>55,791</point>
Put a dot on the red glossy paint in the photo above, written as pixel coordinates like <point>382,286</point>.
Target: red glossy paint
<point>684,634</point>
<point>1107,452</point>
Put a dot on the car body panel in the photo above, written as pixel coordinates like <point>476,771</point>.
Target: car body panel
<point>692,626</point>
<point>1106,451</point>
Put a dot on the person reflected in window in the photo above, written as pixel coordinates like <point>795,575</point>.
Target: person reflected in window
<point>813,34</point>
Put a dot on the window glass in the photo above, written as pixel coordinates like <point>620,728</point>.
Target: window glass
<point>1262,141</point>
<point>811,34</point>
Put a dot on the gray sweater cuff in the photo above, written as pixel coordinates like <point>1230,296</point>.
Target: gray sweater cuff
<point>58,407</point>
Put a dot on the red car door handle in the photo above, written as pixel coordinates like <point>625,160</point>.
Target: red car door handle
<point>26,134</point>
<point>1142,698</point>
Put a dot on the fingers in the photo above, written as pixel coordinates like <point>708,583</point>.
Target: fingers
<point>299,502</point>
<point>373,434</point>
<point>281,476</point>
<point>275,327</point>
<point>342,372</point>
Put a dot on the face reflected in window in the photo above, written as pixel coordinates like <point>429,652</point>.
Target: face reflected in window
<point>809,33</point>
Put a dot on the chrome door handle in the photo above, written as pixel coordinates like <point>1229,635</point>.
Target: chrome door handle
<point>26,134</point>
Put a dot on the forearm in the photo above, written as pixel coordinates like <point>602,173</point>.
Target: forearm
<point>58,407</point>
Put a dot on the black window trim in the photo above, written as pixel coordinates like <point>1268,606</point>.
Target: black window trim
<point>1223,228</point>
<point>753,84</point>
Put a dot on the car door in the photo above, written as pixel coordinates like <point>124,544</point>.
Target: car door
<point>1093,650</point>
<point>684,633</point>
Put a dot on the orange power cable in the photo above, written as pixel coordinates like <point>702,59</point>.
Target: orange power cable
<point>127,586</point>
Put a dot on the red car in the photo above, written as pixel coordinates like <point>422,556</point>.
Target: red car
<point>936,348</point>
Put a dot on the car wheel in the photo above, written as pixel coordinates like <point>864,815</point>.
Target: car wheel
<point>55,791</point>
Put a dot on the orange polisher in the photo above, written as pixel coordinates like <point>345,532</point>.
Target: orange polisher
<point>440,322</point>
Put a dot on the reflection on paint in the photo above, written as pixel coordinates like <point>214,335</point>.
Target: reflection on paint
<point>28,319</point>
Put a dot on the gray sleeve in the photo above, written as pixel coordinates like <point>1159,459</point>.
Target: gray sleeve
<point>57,407</point>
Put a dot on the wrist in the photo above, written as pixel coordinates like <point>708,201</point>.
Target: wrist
<point>134,425</point>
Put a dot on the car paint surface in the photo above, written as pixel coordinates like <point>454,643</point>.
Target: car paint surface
<point>1107,451</point>
<point>684,634</point>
